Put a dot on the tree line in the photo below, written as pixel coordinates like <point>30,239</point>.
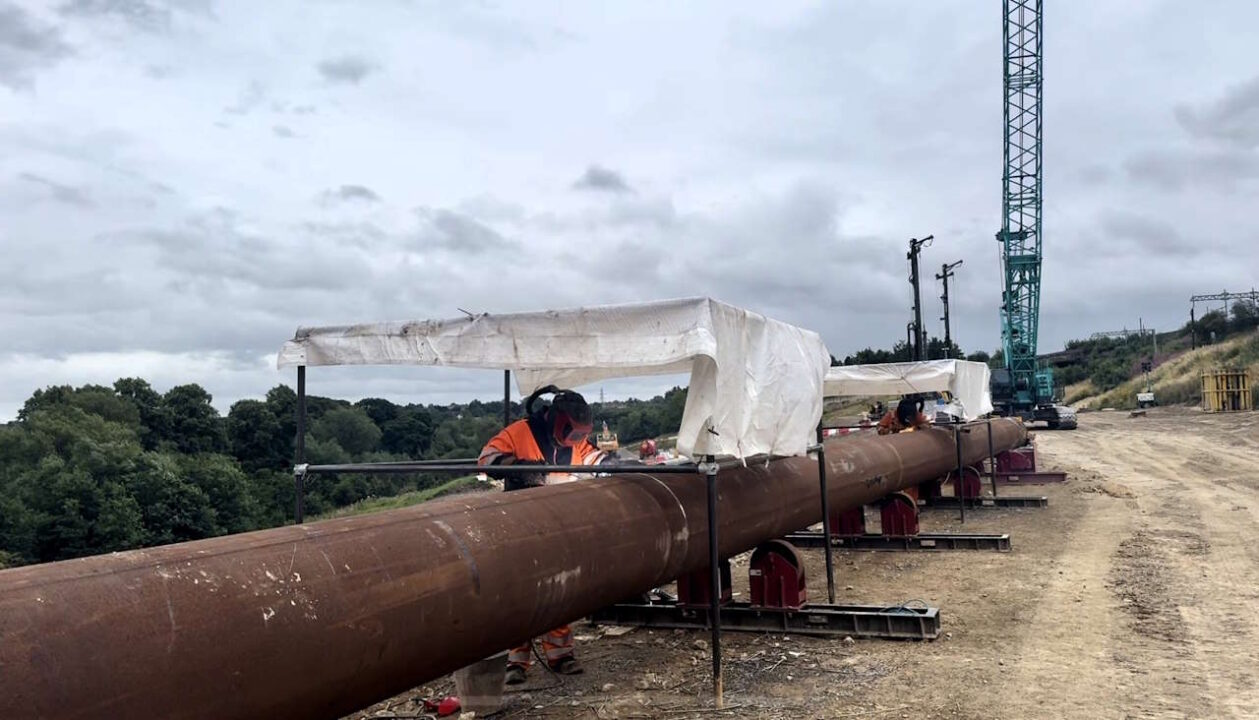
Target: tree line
<point>1108,362</point>
<point>92,469</point>
<point>902,351</point>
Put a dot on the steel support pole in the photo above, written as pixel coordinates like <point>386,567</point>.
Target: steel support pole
<point>506,398</point>
<point>920,335</point>
<point>826,518</point>
<point>946,272</point>
<point>992,460</point>
<point>919,350</point>
<point>1193,328</point>
<point>299,446</point>
<point>961,472</point>
<point>714,600</point>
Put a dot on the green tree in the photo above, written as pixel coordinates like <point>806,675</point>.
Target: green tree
<point>1245,316</point>
<point>93,399</point>
<point>173,508</point>
<point>257,438</point>
<point>409,433</point>
<point>326,451</point>
<point>195,425</point>
<point>229,490</point>
<point>1212,326</point>
<point>75,493</point>
<point>379,410</point>
<point>282,402</point>
<point>155,422</point>
<point>350,428</point>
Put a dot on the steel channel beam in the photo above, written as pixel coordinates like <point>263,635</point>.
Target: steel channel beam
<point>1039,477</point>
<point>948,501</point>
<point>921,541</point>
<point>318,620</point>
<point>870,621</point>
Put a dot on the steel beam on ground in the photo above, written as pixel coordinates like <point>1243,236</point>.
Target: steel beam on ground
<point>1004,501</point>
<point>1039,477</point>
<point>922,541</point>
<point>866,621</point>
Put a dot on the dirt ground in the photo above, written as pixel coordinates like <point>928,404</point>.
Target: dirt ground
<point>1126,598</point>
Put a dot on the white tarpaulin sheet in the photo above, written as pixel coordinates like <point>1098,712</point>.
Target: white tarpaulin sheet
<point>756,383</point>
<point>966,381</point>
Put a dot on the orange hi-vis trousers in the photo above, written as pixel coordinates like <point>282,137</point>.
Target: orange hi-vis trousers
<point>556,645</point>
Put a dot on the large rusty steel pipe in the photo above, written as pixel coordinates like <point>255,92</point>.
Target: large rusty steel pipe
<point>318,620</point>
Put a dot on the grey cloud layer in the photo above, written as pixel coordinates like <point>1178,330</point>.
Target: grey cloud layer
<point>1233,118</point>
<point>777,158</point>
<point>26,46</point>
<point>348,69</point>
<point>600,178</point>
<point>148,15</point>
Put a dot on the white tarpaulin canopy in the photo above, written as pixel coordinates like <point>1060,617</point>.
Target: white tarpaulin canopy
<point>756,383</point>
<point>966,381</point>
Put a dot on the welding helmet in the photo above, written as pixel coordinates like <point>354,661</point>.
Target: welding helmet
<point>907,411</point>
<point>571,419</point>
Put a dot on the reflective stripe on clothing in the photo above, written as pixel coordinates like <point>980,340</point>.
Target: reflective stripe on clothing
<point>556,645</point>
<point>518,440</point>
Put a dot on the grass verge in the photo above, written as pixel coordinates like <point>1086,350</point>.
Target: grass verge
<point>406,499</point>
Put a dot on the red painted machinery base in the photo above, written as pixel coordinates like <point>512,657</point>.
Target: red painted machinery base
<point>694,589</point>
<point>776,576</point>
<point>1018,467</point>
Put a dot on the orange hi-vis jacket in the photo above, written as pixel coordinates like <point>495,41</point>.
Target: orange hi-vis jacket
<point>520,440</point>
<point>890,424</point>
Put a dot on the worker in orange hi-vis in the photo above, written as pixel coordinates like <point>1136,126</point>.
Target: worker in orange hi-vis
<point>907,416</point>
<point>555,434</point>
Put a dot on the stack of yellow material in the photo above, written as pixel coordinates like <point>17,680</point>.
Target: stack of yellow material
<point>1226,390</point>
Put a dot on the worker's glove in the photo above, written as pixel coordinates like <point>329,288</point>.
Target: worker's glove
<point>521,481</point>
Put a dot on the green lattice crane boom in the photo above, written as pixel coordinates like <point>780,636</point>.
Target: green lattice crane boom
<point>1023,389</point>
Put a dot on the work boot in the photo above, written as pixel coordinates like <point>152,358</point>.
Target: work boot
<point>568,666</point>
<point>515,675</point>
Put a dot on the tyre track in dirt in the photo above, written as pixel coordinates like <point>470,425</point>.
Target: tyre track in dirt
<point>1186,574</point>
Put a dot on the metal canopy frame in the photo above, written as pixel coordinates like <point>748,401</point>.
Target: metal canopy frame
<point>709,468</point>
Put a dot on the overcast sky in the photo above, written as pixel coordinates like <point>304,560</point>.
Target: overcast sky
<point>184,182</point>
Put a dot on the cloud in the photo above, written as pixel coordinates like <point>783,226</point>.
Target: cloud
<point>248,99</point>
<point>450,230</point>
<point>601,179</point>
<point>781,157</point>
<point>283,131</point>
<point>346,69</point>
<point>27,45</point>
<point>1142,234</point>
<point>1185,169</point>
<point>349,193</point>
<point>139,13</point>
<point>67,194</point>
<point>1232,119</point>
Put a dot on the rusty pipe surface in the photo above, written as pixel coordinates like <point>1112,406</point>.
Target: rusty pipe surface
<point>319,620</point>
